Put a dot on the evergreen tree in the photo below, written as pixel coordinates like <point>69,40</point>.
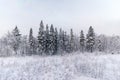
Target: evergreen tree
<point>52,40</point>
<point>82,41</point>
<point>47,43</point>
<point>72,44</point>
<point>90,41</point>
<point>16,40</point>
<point>56,41</point>
<point>63,38</point>
<point>41,39</point>
<point>31,42</point>
<point>60,41</point>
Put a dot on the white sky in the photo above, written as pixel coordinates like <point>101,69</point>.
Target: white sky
<point>103,15</point>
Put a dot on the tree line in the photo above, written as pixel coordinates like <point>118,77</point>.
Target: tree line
<point>50,41</point>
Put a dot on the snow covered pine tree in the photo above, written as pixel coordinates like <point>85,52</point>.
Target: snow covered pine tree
<point>60,41</point>
<point>72,43</point>
<point>41,39</point>
<point>47,41</point>
<point>31,43</point>
<point>90,40</point>
<point>52,40</point>
<point>82,41</point>
<point>56,41</point>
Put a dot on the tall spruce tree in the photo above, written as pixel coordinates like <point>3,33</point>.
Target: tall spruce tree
<point>41,39</point>
<point>31,42</point>
<point>82,41</point>
<point>47,43</point>
<point>90,40</point>
<point>60,41</point>
<point>72,43</point>
<point>52,40</point>
<point>56,41</point>
<point>63,38</point>
<point>16,40</point>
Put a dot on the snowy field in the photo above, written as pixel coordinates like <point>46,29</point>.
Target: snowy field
<point>68,67</point>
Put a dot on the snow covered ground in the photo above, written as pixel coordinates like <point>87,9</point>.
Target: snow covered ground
<point>79,66</point>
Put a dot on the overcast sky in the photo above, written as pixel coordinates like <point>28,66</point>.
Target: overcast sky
<point>103,15</point>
